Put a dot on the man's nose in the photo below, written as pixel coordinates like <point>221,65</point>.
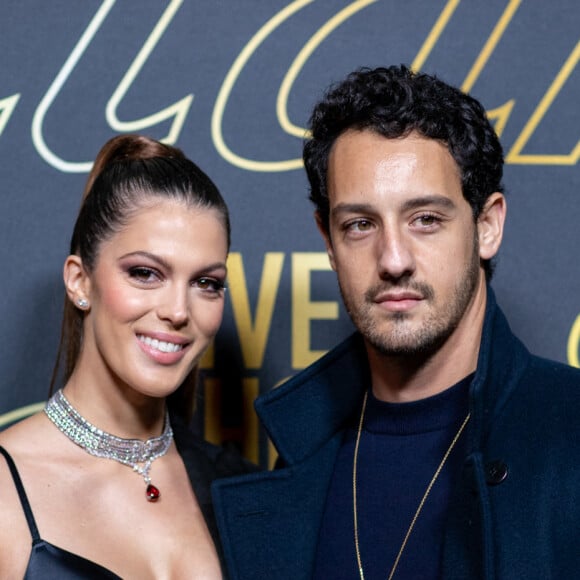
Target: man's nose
<point>395,255</point>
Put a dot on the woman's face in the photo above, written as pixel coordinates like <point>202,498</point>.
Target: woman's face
<point>156,298</point>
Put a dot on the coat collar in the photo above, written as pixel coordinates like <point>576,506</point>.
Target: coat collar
<point>501,363</point>
<point>305,412</point>
<point>302,415</point>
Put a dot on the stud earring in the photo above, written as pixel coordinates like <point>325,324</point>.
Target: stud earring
<point>82,303</point>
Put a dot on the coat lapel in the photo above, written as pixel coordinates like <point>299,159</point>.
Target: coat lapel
<point>269,521</point>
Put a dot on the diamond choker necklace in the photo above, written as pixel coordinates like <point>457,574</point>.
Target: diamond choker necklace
<point>131,452</point>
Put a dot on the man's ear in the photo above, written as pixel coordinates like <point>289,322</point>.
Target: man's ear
<point>77,282</point>
<point>326,236</point>
<point>490,225</point>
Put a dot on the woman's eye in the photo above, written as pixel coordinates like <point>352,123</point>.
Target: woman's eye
<point>210,285</point>
<point>143,274</point>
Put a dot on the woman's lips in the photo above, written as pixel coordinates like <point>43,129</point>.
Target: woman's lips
<point>164,350</point>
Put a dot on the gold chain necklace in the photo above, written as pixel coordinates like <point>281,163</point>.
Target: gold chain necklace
<point>421,503</point>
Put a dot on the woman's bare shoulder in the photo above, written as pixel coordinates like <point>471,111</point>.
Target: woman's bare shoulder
<point>25,436</point>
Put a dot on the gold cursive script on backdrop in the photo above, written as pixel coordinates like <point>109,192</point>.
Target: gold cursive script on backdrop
<point>177,110</point>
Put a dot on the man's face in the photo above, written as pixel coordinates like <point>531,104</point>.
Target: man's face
<point>402,240</point>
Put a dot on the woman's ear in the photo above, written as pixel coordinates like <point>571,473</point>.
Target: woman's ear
<point>490,225</point>
<point>77,282</point>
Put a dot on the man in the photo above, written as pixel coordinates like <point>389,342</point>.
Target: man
<point>430,444</point>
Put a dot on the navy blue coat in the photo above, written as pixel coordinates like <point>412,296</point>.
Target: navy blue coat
<point>515,513</point>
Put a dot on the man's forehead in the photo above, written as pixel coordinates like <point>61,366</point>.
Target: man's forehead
<point>372,170</point>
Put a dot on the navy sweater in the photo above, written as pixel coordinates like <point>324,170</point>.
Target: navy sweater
<point>400,449</point>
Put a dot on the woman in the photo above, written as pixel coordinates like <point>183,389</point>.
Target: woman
<point>104,483</point>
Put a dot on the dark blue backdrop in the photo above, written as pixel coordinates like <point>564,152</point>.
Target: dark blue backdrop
<point>232,83</point>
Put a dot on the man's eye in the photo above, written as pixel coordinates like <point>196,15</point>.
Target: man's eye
<point>427,220</point>
<point>210,285</point>
<point>142,274</point>
<point>359,226</point>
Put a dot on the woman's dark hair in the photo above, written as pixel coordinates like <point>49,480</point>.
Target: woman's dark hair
<point>129,171</point>
<point>393,102</point>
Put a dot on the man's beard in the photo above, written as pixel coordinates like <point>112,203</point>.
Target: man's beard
<point>403,336</point>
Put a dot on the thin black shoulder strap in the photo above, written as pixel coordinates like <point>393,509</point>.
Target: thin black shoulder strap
<point>22,494</point>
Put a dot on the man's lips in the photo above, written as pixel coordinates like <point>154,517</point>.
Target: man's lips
<point>398,301</point>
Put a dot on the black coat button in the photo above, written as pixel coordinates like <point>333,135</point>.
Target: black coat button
<point>495,472</point>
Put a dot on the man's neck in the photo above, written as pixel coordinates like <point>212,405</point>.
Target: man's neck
<point>401,379</point>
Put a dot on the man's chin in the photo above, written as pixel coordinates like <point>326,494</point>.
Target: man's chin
<point>404,345</point>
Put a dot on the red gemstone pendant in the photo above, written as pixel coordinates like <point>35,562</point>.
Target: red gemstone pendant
<point>152,493</point>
